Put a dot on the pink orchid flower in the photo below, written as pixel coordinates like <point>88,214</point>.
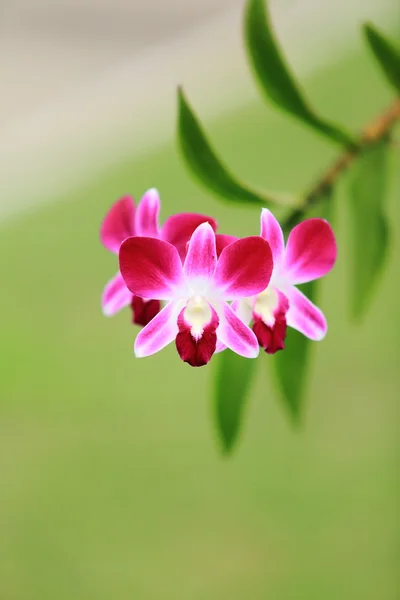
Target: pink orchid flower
<point>196,314</point>
<point>310,253</point>
<point>125,220</point>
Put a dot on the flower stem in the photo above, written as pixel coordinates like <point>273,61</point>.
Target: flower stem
<point>378,129</point>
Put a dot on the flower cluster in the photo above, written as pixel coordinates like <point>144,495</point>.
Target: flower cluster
<point>187,283</point>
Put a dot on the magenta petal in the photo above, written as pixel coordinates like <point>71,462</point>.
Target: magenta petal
<point>310,251</point>
<point>178,229</point>
<point>151,268</point>
<point>234,334</point>
<point>201,257</point>
<point>304,316</point>
<point>271,335</point>
<point>118,224</point>
<point>143,311</point>
<point>160,332</point>
<point>222,241</point>
<point>147,214</point>
<point>272,232</point>
<point>244,268</point>
<point>115,296</point>
<point>196,350</point>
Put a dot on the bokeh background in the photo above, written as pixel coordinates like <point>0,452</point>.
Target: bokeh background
<point>112,485</point>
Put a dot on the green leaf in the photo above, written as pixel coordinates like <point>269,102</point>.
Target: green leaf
<point>385,52</point>
<point>206,166</point>
<point>368,224</point>
<point>291,364</point>
<point>233,380</point>
<point>274,76</point>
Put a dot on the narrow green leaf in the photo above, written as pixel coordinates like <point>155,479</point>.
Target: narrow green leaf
<point>233,379</point>
<point>274,76</point>
<point>291,364</point>
<point>368,224</point>
<point>385,52</point>
<point>206,166</point>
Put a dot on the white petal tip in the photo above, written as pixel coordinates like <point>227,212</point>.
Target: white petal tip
<point>138,352</point>
<point>153,193</point>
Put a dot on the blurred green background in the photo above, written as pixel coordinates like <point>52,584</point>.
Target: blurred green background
<point>112,483</point>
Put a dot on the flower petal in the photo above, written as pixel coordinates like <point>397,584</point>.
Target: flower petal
<point>143,311</point>
<point>271,331</point>
<point>115,296</point>
<point>304,316</point>
<point>151,268</point>
<point>201,258</point>
<point>272,232</point>
<point>148,209</point>
<point>160,332</point>
<point>118,224</point>
<point>244,268</point>
<point>234,334</point>
<point>178,229</point>
<point>243,310</point>
<point>310,251</point>
<point>220,347</point>
<point>196,350</point>
<point>222,240</point>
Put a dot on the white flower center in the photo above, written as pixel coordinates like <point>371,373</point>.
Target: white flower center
<point>197,314</point>
<point>265,305</point>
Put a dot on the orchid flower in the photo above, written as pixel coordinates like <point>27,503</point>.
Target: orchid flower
<point>125,220</point>
<point>310,253</point>
<point>196,314</point>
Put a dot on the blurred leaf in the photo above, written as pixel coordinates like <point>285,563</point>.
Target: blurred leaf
<point>274,76</point>
<point>385,52</point>
<point>368,224</point>
<point>206,166</point>
<point>233,380</point>
<point>322,206</point>
<point>291,364</point>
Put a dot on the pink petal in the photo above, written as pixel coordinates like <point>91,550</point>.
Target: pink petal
<point>310,251</point>
<point>196,351</point>
<point>244,268</point>
<point>304,316</point>
<point>201,257</point>
<point>160,332</point>
<point>220,347</point>
<point>146,221</point>
<point>178,229</point>
<point>151,268</point>
<point>222,240</point>
<point>243,311</point>
<point>234,334</point>
<point>272,232</point>
<point>115,296</point>
<point>118,224</point>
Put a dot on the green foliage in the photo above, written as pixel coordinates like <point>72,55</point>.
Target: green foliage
<point>368,223</point>
<point>206,166</point>
<point>233,380</point>
<point>385,52</point>
<point>367,191</point>
<point>275,78</point>
<point>291,364</point>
